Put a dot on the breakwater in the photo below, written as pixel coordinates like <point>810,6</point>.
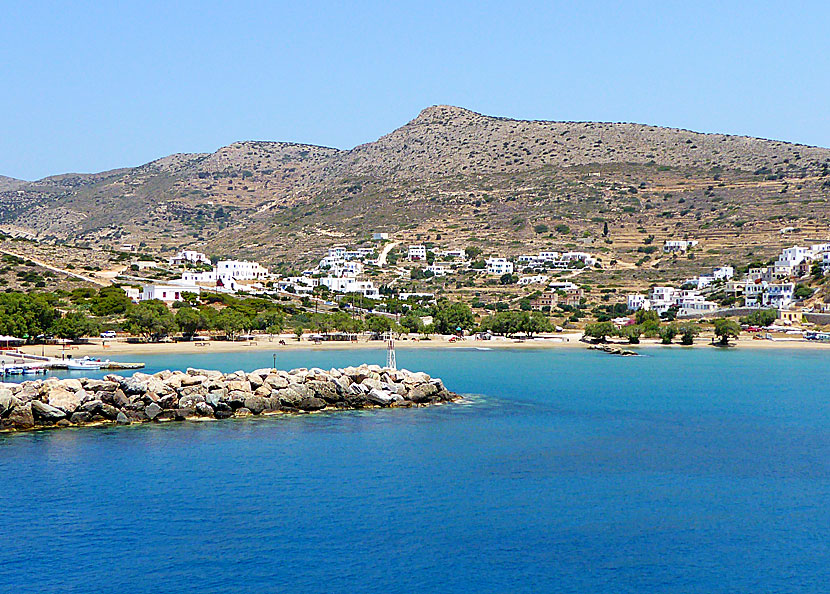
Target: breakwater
<point>207,394</point>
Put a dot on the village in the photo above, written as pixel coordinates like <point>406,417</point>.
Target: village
<point>369,276</point>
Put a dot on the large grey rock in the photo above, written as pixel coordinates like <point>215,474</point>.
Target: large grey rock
<point>256,404</point>
<point>93,385</point>
<point>20,417</point>
<point>239,386</point>
<point>223,411</point>
<point>380,397</point>
<point>7,401</point>
<point>310,403</point>
<point>45,412</point>
<point>117,398</point>
<point>422,393</point>
<point>80,417</point>
<point>372,384</point>
<point>152,411</point>
<point>108,411</point>
<point>275,382</point>
<point>242,412</point>
<point>169,401</point>
<point>191,400</point>
<point>72,384</point>
<point>325,390</point>
<point>122,418</point>
<point>203,409</point>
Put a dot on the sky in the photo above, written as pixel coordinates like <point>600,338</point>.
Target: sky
<point>91,86</point>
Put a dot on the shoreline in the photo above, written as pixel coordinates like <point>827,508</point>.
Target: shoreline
<point>565,341</point>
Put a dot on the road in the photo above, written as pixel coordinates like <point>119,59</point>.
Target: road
<point>99,282</point>
<point>385,252</point>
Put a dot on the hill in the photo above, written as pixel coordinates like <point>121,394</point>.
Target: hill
<point>456,177</point>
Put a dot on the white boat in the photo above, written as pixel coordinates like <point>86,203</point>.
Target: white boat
<point>85,364</point>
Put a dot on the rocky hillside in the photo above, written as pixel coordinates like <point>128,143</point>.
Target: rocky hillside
<point>449,172</point>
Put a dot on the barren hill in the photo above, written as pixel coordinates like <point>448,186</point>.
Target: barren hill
<point>450,172</point>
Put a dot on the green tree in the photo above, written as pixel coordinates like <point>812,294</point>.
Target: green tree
<point>189,320</point>
<point>27,315</point>
<point>688,333</point>
<point>110,301</point>
<point>298,332</point>
<point>150,319</point>
<point>726,329</point>
<point>632,333</point>
<point>75,325</point>
<point>600,330</point>
<point>472,252</point>
<point>802,291</point>
<point>378,324</point>
<point>762,317</point>
<point>449,316</point>
<point>412,322</point>
<point>231,322</point>
<point>667,333</point>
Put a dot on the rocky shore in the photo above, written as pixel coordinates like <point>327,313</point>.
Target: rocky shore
<point>206,394</point>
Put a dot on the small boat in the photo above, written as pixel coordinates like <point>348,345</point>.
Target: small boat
<point>13,370</point>
<point>85,364</point>
<point>34,371</point>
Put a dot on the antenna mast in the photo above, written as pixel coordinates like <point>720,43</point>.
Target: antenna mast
<point>391,363</point>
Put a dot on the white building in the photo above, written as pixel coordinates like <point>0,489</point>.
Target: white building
<point>167,293</point>
<point>417,253</point>
<point>350,285</point>
<point>499,266</point>
<point>636,302</point>
<point>439,269</point>
<point>189,257</point>
<point>534,280</point>
<point>240,270</point>
<point>133,293</point>
<point>380,236</point>
<point>765,294</point>
<point>678,245</point>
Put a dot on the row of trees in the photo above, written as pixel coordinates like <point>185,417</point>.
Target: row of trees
<point>724,329</point>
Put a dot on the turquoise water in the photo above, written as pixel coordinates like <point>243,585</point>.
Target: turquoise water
<point>564,471</point>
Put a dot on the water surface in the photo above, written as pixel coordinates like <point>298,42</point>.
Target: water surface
<point>565,470</point>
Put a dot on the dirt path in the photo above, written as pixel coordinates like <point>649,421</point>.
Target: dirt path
<point>385,252</point>
<point>99,282</point>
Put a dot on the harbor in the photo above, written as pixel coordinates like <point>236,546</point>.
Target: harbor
<point>14,362</point>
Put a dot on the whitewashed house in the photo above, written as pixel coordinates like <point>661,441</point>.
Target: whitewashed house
<point>499,266</point>
<point>380,236</point>
<point>189,257</point>
<point>417,253</point>
<point>538,279</point>
<point>439,269</point>
<point>636,302</point>
<point>678,245</point>
<point>167,293</point>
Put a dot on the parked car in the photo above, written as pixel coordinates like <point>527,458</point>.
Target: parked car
<point>108,334</point>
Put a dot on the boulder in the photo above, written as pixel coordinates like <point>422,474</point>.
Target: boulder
<point>242,412</point>
<point>380,397</point>
<point>108,411</point>
<point>20,417</point>
<point>117,399</point>
<point>169,402</point>
<point>122,419</point>
<point>152,411</point>
<point>7,401</point>
<point>45,412</point>
<point>275,382</point>
<point>191,400</point>
<point>72,384</point>
<point>239,386</point>
<point>80,417</point>
<point>255,404</point>
<point>237,399</point>
<point>422,393</point>
<point>93,385</point>
<point>372,384</point>
<point>325,390</point>
<point>223,411</point>
<point>203,409</point>
<point>192,380</point>
<point>311,403</point>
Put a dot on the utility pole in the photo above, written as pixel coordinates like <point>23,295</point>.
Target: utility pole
<point>391,363</point>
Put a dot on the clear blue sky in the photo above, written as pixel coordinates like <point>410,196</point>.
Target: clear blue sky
<point>88,87</point>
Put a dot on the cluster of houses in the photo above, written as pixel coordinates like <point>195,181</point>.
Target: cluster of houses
<point>764,287</point>
<point>558,293</point>
<point>556,260</point>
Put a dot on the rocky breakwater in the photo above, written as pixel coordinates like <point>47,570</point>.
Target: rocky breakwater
<point>204,394</point>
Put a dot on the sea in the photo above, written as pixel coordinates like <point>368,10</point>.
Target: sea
<point>561,470</point>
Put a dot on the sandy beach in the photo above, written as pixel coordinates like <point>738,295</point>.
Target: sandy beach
<point>109,348</point>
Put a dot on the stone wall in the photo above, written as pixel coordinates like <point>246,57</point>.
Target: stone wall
<point>205,394</point>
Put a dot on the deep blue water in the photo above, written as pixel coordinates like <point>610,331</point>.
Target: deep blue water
<point>566,471</point>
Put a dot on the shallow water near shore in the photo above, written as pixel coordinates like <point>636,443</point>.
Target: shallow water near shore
<point>565,470</point>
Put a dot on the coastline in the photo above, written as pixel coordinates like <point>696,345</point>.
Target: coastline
<point>111,348</point>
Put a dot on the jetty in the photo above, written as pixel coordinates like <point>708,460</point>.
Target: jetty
<point>613,350</point>
<point>15,362</point>
<point>200,394</point>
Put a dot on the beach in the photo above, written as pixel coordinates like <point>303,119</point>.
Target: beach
<point>107,348</point>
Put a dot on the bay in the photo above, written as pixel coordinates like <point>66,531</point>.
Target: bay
<point>562,470</point>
